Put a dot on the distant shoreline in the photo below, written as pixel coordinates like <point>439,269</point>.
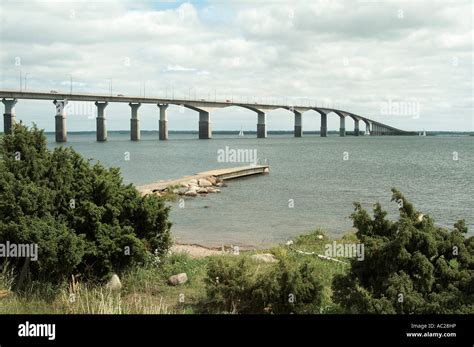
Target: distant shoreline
<point>253,132</point>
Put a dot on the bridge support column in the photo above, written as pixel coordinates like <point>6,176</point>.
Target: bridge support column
<point>356,127</point>
<point>60,120</point>
<point>261,126</point>
<point>298,124</point>
<point>9,115</point>
<point>205,131</point>
<point>324,125</point>
<point>367,128</point>
<point>134,122</point>
<point>163,122</point>
<point>342,126</point>
<point>101,121</point>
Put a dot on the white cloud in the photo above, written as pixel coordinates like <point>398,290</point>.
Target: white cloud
<point>178,68</point>
<point>356,54</point>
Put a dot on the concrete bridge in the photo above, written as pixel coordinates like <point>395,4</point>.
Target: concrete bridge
<point>203,107</point>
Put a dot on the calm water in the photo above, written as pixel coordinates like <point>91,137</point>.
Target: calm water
<point>310,170</point>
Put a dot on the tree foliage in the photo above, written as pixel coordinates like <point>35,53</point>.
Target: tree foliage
<point>81,215</point>
<point>410,265</point>
<point>287,287</point>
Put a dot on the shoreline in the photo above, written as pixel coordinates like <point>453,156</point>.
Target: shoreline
<point>195,250</point>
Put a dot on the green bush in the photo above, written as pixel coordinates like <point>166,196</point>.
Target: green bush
<point>242,286</point>
<point>229,284</point>
<point>81,215</point>
<point>410,265</point>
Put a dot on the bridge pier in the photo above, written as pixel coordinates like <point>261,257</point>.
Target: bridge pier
<point>367,127</point>
<point>298,124</point>
<point>101,121</point>
<point>261,125</point>
<point>342,126</point>
<point>134,121</point>
<point>9,115</point>
<point>163,126</point>
<point>324,125</point>
<point>356,127</point>
<point>205,131</point>
<point>60,120</point>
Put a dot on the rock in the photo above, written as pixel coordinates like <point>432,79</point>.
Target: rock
<point>212,179</point>
<point>264,257</point>
<point>183,184</point>
<point>210,189</point>
<point>182,191</point>
<point>204,183</point>
<point>4,293</point>
<point>219,180</point>
<point>178,279</point>
<point>191,192</point>
<point>193,182</point>
<point>114,283</point>
<point>202,190</point>
<point>219,184</point>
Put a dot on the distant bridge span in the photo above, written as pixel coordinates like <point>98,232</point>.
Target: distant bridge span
<point>203,107</point>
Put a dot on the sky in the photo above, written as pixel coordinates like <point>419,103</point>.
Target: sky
<point>407,64</point>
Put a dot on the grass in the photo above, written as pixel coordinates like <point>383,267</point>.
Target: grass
<point>145,290</point>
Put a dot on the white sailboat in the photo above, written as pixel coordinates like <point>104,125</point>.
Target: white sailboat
<point>422,133</point>
<point>241,133</point>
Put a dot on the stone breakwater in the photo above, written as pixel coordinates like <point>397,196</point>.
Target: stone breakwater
<point>200,186</point>
<point>203,182</point>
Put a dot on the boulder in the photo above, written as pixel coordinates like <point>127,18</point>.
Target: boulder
<point>204,183</point>
<point>193,181</point>
<point>202,190</point>
<point>182,191</point>
<point>191,192</point>
<point>212,179</point>
<point>114,283</point>
<point>178,279</point>
<point>264,258</point>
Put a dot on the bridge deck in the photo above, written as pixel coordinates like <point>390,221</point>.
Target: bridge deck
<point>224,174</point>
<point>200,104</point>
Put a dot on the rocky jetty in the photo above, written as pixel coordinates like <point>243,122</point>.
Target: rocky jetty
<point>201,186</point>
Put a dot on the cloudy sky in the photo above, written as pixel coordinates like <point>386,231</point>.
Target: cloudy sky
<point>404,63</point>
